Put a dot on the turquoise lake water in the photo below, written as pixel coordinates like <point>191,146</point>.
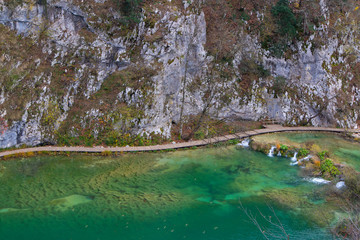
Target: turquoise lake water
<point>194,194</point>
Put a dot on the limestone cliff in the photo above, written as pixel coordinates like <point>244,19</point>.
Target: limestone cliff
<point>94,68</point>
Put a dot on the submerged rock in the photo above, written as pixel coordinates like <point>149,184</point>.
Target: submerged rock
<point>6,210</point>
<point>206,199</point>
<point>287,198</point>
<point>66,203</point>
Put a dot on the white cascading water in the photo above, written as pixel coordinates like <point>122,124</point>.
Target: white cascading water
<point>271,152</point>
<point>244,143</point>
<point>340,185</point>
<point>294,159</point>
<point>306,158</point>
<point>279,154</point>
<point>317,180</point>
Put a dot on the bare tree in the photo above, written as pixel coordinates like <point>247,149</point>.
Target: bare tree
<point>185,78</point>
<point>208,98</point>
<point>274,221</point>
<point>349,226</point>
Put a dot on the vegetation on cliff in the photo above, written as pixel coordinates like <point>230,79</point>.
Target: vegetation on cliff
<point>104,72</point>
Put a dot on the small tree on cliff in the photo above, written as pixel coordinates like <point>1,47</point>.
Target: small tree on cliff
<point>286,29</point>
<point>130,9</point>
<point>285,19</point>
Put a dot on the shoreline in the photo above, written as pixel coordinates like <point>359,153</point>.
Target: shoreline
<point>196,143</point>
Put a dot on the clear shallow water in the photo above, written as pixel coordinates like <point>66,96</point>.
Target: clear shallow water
<point>191,194</point>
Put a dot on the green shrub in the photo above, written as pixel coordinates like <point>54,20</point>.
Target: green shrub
<point>233,141</point>
<point>199,134</point>
<point>140,140</point>
<point>327,166</point>
<point>89,141</point>
<point>244,16</point>
<point>283,150</point>
<point>284,147</point>
<point>111,141</point>
<point>287,24</point>
<point>262,71</point>
<point>252,67</point>
<point>130,9</point>
<point>63,140</point>
<point>303,152</point>
<point>285,19</point>
<point>279,86</point>
<point>322,155</point>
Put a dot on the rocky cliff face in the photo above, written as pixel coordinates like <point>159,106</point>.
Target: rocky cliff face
<point>77,68</point>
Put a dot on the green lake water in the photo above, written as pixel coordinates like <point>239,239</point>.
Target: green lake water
<point>194,194</point>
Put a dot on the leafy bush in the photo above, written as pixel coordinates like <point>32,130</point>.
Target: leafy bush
<point>285,19</point>
<point>244,16</point>
<point>233,141</point>
<point>279,86</point>
<point>111,141</point>
<point>199,134</point>
<point>284,147</point>
<point>253,68</point>
<point>262,71</point>
<point>322,155</point>
<point>303,152</point>
<point>286,30</point>
<point>327,166</point>
<point>130,9</point>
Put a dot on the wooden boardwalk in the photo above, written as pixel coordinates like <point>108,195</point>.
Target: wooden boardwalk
<point>99,149</point>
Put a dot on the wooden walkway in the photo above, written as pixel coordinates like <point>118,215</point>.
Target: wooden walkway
<point>99,149</point>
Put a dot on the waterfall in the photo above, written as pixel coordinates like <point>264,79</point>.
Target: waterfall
<point>271,152</point>
<point>317,180</point>
<point>294,160</point>
<point>244,143</point>
<point>340,185</point>
<point>279,154</point>
<point>306,158</point>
